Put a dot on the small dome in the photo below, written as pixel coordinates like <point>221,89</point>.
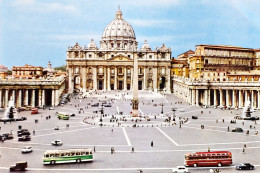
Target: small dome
<point>92,45</point>
<point>146,46</point>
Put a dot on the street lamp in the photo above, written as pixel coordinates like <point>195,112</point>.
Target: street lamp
<point>162,108</point>
<point>173,116</point>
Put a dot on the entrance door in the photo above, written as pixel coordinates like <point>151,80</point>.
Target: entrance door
<point>128,86</point>
<point>100,85</point>
<point>120,85</point>
<point>162,83</point>
<point>112,86</point>
<point>140,85</point>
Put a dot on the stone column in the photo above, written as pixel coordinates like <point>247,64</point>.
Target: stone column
<point>168,84</point>
<point>240,99</point>
<point>94,78</point>
<point>190,96</point>
<point>193,96</point>
<point>197,97</point>
<point>40,97</point>
<point>144,88</point>
<point>105,79</point>
<point>155,79</point>
<point>108,79</point>
<point>19,99</point>
<point>252,99</point>
<point>13,96</point>
<point>43,97</point>
<point>84,79</point>
<point>227,98</point>
<point>52,97</point>
<point>221,98</point>
<point>56,97</point>
<point>206,97</point>
<point>258,99</point>
<point>125,88</point>
<point>71,80</point>
<point>215,98</point>
<point>1,98</point>
<point>115,84</point>
<point>26,97</point>
<point>132,74</point>
<point>246,97</point>
<point>234,99</point>
<point>33,98</point>
<point>6,97</point>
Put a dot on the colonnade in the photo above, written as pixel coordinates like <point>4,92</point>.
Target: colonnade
<point>235,95</point>
<point>30,97</point>
<point>117,78</point>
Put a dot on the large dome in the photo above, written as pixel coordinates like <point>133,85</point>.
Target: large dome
<point>119,35</point>
<point>118,28</point>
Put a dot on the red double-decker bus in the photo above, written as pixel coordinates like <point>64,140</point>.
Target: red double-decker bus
<point>214,158</point>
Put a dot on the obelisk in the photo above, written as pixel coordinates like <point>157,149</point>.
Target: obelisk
<point>135,88</point>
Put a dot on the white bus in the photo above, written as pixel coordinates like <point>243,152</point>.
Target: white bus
<point>67,156</point>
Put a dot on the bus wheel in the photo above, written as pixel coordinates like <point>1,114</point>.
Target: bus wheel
<point>219,164</point>
<point>195,165</point>
<point>52,162</point>
<point>78,160</point>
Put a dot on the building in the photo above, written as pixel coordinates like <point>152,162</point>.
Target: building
<point>110,67</point>
<point>224,76</point>
<point>27,71</point>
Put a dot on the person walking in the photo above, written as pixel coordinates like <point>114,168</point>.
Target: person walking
<point>133,150</point>
<point>152,144</point>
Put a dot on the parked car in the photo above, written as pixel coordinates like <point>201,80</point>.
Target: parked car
<point>56,143</point>
<point>95,105</point>
<point>21,166</point>
<point>7,136</point>
<point>244,166</point>
<point>180,169</point>
<point>238,129</point>
<point>51,108</point>
<point>24,138</point>
<point>107,105</point>
<point>27,149</point>
<point>23,132</point>
<point>57,128</point>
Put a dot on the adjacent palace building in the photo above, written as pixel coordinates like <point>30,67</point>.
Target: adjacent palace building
<point>110,67</point>
<point>212,75</point>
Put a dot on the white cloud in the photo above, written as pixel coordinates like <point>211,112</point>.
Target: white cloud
<point>152,3</point>
<point>151,23</point>
<point>75,37</point>
<point>34,5</point>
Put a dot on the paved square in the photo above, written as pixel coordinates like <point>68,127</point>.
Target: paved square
<point>170,142</point>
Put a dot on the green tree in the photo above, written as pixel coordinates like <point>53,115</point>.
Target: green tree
<point>62,68</point>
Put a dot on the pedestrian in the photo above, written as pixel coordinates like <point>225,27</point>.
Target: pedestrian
<point>112,130</point>
<point>243,151</point>
<point>152,144</point>
<point>133,150</point>
<point>216,120</point>
<point>243,123</point>
<point>208,149</point>
<point>33,132</point>
<point>180,125</point>
<point>228,128</point>
<point>223,120</point>
<point>94,149</point>
<point>244,145</point>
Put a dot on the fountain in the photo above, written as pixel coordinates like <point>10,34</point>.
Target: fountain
<point>246,114</point>
<point>10,113</point>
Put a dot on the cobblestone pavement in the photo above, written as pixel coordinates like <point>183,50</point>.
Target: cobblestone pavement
<point>170,141</point>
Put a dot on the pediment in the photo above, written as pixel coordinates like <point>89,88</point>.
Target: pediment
<point>120,58</point>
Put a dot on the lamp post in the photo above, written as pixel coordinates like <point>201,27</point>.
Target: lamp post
<point>173,115</point>
<point>162,108</point>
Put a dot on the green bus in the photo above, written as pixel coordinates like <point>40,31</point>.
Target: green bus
<point>67,156</point>
<point>63,116</point>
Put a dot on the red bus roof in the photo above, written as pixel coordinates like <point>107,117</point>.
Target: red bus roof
<point>211,152</point>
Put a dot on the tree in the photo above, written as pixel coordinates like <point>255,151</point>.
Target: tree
<point>62,68</point>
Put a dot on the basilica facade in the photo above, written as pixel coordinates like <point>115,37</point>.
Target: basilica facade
<point>110,67</point>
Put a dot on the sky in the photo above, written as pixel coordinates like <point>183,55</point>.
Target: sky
<point>37,31</point>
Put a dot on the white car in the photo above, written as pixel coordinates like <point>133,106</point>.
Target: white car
<point>57,128</point>
<point>180,169</point>
<point>56,142</point>
<point>27,149</point>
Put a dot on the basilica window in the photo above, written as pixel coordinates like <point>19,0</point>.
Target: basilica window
<point>120,70</point>
<point>90,56</point>
<point>112,56</point>
<point>163,55</point>
<point>100,70</point>
<point>150,56</point>
<point>163,70</point>
<point>112,71</point>
<point>128,71</point>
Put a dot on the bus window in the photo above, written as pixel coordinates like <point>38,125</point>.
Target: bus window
<point>62,154</point>
<point>57,155</point>
<point>83,153</point>
<point>77,153</point>
<point>91,152</point>
<point>72,153</point>
<point>51,155</point>
<point>67,154</point>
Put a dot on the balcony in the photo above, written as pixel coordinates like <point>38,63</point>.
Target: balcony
<point>100,74</point>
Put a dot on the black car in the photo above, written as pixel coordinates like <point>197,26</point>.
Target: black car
<point>24,138</point>
<point>238,129</point>
<point>244,166</point>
